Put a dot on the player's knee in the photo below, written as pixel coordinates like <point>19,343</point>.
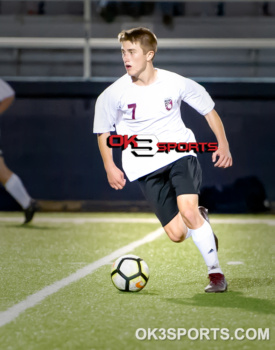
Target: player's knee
<point>5,174</point>
<point>177,239</point>
<point>2,177</point>
<point>175,235</point>
<point>4,171</point>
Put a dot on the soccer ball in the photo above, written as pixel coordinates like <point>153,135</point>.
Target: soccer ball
<point>129,273</point>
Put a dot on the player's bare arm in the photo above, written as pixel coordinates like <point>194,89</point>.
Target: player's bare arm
<point>223,153</point>
<point>115,176</point>
<point>5,104</point>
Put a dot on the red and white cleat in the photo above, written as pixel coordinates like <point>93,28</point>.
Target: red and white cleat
<point>217,283</point>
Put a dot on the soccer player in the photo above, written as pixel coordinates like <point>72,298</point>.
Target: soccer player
<point>9,180</point>
<point>146,101</point>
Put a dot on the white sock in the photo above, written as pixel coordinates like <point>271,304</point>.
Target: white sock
<point>203,237</point>
<point>17,190</point>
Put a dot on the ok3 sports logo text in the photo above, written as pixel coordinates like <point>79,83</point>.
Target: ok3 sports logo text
<point>149,145</point>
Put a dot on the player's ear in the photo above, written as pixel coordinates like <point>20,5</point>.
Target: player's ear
<point>150,55</point>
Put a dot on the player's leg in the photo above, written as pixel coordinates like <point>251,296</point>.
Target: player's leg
<point>14,185</point>
<point>185,177</point>
<point>176,229</point>
<point>188,207</point>
<point>161,197</point>
<point>204,239</point>
<point>16,189</point>
<point>5,172</point>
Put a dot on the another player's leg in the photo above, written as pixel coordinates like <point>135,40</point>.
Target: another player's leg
<point>16,189</point>
<point>203,237</point>
<point>30,211</point>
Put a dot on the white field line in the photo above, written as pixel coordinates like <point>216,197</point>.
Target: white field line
<point>79,221</point>
<point>270,222</point>
<point>13,312</point>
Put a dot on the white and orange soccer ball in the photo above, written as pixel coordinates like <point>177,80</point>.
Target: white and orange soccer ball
<point>130,273</point>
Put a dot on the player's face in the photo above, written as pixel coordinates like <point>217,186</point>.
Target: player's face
<point>134,59</point>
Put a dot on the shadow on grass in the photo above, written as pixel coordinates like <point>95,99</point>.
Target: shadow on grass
<point>235,300</point>
<point>140,293</point>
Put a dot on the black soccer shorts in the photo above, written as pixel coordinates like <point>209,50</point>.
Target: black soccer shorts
<point>162,187</point>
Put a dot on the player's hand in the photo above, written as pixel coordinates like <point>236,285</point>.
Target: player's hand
<point>116,178</point>
<point>224,158</point>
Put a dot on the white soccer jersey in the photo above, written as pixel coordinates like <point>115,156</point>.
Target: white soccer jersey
<point>5,90</point>
<point>131,109</point>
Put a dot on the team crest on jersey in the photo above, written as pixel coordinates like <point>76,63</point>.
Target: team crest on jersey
<point>168,104</point>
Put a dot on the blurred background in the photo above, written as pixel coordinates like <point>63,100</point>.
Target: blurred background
<point>60,55</point>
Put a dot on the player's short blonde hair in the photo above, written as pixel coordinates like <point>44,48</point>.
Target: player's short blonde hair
<point>146,39</point>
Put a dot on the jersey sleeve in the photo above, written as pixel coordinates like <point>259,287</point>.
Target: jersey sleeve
<point>5,90</point>
<point>196,96</point>
<point>106,112</point>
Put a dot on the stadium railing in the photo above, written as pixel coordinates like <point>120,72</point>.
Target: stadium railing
<point>87,43</point>
<point>99,43</point>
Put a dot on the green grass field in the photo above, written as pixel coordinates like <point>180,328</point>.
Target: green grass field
<point>91,314</point>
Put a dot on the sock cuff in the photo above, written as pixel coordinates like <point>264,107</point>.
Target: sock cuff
<point>214,269</point>
<point>201,232</point>
<point>16,189</point>
<point>14,178</point>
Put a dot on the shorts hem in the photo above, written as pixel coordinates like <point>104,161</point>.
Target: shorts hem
<point>172,217</point>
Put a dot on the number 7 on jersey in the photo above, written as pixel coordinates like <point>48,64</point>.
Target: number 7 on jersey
<point>134,106</point>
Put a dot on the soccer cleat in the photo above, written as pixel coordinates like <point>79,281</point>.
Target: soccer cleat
<point>204,214</point>
<point>217,283</point>
<point>30,211</point>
